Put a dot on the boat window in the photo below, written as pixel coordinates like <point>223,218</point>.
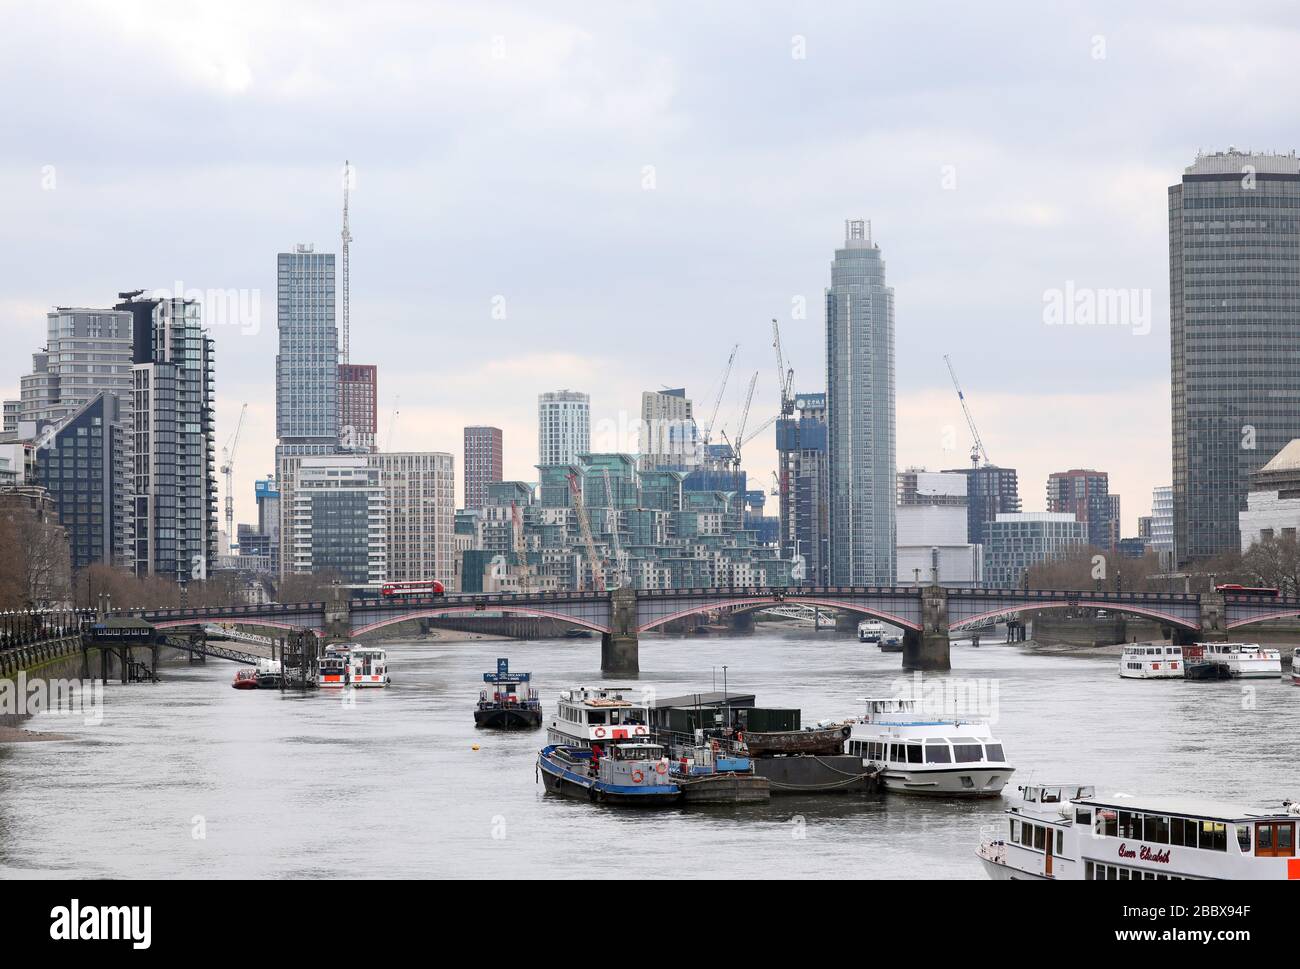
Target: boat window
<point>968,753</point>
<point>595,716</point>
<point>1040,838</point>
<point>937,753</point>
<point>1015,831</point>
<point>914,753</point>
<point>1107,825</point>
<point>1214,835</point>
<point>1130,825</point>
<point>1082,817</point>
<point>1060,842</point>
<point>1027,836</point>
<point>995,752</point>
<point>1183,832</point>
<point>1156,829</point>
<point>1243,837</point>
<point>1275,839</point>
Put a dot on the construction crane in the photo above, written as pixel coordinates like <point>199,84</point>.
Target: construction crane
<point>584,524</point>
<point>977,446</point>
<point>620,577</point>
<point>521,549</point>
<point>228,469</point>
<point>347,238</point>
<point>784,374</point>
<point>717,401</point>
<point>392,422</point>
<point>739,443</point>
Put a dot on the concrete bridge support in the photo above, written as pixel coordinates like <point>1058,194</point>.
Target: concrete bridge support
<point>847,622</point>
<point>620,649</point>
<point>928,649</point>
<point>338,620</point>
<point>1214,623</point>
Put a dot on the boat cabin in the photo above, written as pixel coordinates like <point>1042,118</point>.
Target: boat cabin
<point>598,715</point>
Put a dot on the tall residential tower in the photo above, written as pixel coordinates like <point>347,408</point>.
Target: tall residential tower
<point>860,412</point>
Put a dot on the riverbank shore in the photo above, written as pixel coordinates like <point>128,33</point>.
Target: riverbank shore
<point>16,735</point>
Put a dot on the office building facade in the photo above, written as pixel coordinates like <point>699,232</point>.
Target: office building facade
<point>358,389</point>
<point>484,458</point>
<point>338,523</point>
<point>1234,289</point>
<point>804,488</point>
<point>1086,495</point>
<point>1015,543</point>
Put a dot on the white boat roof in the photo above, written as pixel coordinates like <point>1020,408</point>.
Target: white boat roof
<point>1189,807</point>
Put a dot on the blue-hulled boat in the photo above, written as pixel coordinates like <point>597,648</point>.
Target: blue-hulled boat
<point>629,773</point>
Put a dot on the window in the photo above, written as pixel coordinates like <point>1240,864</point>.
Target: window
<point>968,753</point>
<point>938,753</point>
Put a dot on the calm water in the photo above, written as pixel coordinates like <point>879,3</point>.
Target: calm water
<point>391,787</point>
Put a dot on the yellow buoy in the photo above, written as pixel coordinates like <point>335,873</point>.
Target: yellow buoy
<point>474,747</point>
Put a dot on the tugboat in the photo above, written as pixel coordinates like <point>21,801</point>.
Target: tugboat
<point>511,705</point>
<point>624,773</point>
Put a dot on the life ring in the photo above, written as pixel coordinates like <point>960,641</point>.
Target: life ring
<point>637,777</point>
<point>740,737</point>
<point>599,731</point>
<point>661,768</point>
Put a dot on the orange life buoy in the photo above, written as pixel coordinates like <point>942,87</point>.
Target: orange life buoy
<point>661,767</point>
<point>600,731</point>
<point>637,777</point>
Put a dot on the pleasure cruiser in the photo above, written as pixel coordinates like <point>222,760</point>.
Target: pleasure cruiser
<point>1244,660</point>
<point>918,754</point>
<point>602,714</point>
<point>356,666</point>
<point>870,631</point>
<point>1147,662</point>
<point>1066,832</point>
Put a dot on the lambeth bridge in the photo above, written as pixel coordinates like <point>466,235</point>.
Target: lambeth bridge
<point>927,614</point>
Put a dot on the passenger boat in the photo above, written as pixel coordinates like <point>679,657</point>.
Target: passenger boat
<point>269,674</point>
<point>245,678</point>
<point>1241,660</point>
<point>918,754</point>
<point>810,740</point>
<point>602,714</point>
<point>510,703</point>
<point>870,631</point>
<point>891,644</point>
<point>1066,832</point>
<point>632,773</point>
<point>353,666</point>
<point>1147,662</point>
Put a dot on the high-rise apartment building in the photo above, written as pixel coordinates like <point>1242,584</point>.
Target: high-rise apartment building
<point>420,504</point>
<point>670,440</point>
<point>990,491</point>
<point>87,352</point>
<point>860,412</point>
<point>175,493</point>
<point>1234,325</point>
<point>1086,495</point>
<point>1015,543</point>
<point>338,522</point>
<point>307,365</point>
<point>563,426</point>
<point>1162,519</point>
<point>358,407</point>
<point>803,485</point>
<point>483,463</point>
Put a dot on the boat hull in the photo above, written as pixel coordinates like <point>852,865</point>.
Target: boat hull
<point>504,718</point>
<point>984,782</point>
<point>1005,873</point>
<point>725,789</point>
<point>558,779</point>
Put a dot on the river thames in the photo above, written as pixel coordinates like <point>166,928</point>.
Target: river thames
<point>188,778</point>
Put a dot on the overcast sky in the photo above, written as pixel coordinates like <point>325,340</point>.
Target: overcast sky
<point>640,186</point>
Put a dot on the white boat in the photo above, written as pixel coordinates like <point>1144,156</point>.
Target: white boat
<point>1065,832</point>
<point>1295,666</point>
<point>1244,660</point>
<point>870,631</point>
<point>600,715</point>
<point>354,666</point>
<point>918,754</point>
<point>1147,662</point>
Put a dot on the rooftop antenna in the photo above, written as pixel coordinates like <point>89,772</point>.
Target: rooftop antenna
<point>347,238</point>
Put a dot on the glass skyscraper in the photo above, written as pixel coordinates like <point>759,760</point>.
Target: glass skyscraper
<point>306,368</point>
<point>860,412</point>
<point>1234,323</point>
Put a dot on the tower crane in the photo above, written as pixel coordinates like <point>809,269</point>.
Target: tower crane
<point>521,548</point>
<point>717,401</point>
<point>228,469</point>
<point>977,446</point>
<point>620,572</point>
<point>392,422</point>
<point>584,524</point>
<point>347,238</point>
<point>784,374</point>
<point>740,429</point>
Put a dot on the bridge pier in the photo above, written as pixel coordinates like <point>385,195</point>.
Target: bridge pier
<point>846,622</point>
<point>928,649</point>
<point>621,647</point>
<point>337,627</point>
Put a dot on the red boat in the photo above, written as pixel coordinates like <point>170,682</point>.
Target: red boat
<point>245,679</point>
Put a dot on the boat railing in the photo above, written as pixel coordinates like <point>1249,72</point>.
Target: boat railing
<point>680,744</point>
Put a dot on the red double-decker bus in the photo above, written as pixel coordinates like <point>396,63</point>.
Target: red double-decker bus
<point>396,590</point>
<point>1246,590</point>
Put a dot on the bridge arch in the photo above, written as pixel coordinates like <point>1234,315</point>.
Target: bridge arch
<point>750,604</point>
<point>1288,613</point>
<point>1036,605</point>
<point>437,612</point>
<point>233,621</point>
